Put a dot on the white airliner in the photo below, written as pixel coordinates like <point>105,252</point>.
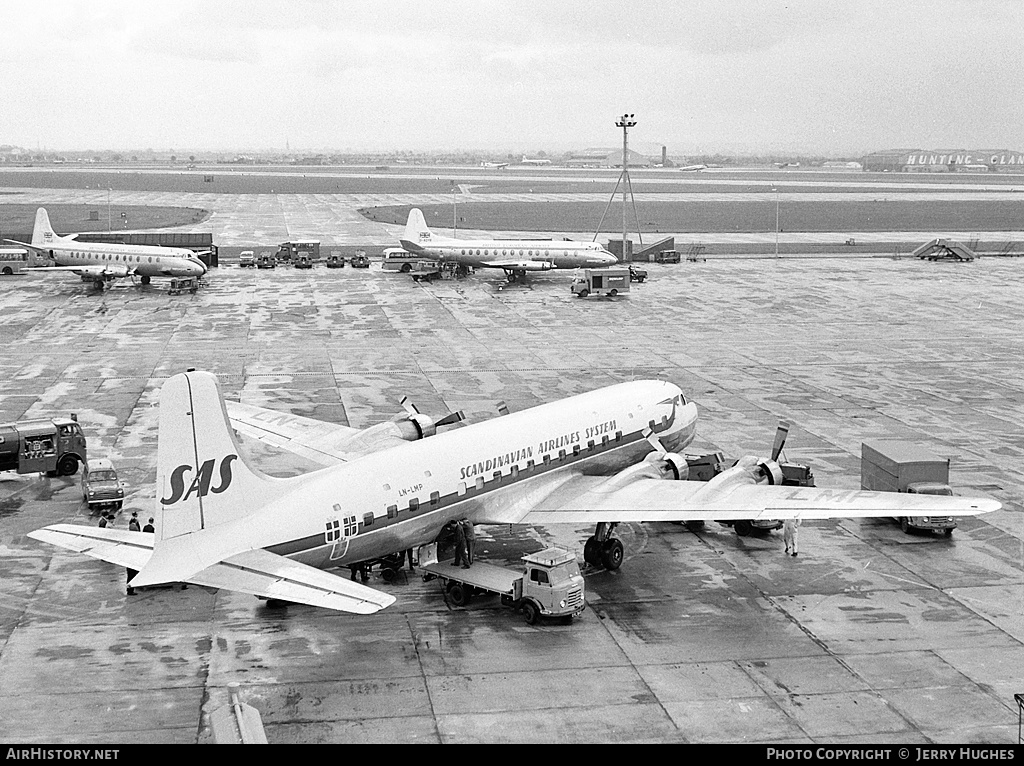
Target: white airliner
<point>498,165</point>
<point>515,256</point>
<point>605,457</point>
<point>534,161</point>
<point>692,168</point>
<point>103,263</point>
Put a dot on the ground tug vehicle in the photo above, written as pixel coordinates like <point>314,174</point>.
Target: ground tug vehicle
<point>54,447</point>
<point>246,259</point>
<point>549,585</point>
<point>902,466</point>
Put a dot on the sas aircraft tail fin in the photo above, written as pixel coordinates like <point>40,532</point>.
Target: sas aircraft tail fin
<point>202,482</point>
<point>417,234</point>
<point>202,479</point>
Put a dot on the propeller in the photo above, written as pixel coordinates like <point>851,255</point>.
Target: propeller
<point>424,424</point>
<point>675,462</point>
<point>780,440</point>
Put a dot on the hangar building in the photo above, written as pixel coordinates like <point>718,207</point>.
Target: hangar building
<point>945,161</point>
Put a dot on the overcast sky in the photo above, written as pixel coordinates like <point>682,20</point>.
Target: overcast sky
<point>828,76</point>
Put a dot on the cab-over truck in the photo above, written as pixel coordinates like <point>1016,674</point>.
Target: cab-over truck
<point>549,585</point>
<point>892,465</point>
<point>55,446</point>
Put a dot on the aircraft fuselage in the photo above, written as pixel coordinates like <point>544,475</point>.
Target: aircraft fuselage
<point>143,260</point>
<point>546,254</point>
<point>488,472</point>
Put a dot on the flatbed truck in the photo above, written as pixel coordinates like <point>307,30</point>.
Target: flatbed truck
<point>548,585</point>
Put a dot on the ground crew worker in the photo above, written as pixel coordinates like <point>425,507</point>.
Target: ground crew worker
<point>461,553</point>
<point>133,525</point>
<point>149,526</point>
<point>130,574</point>
<point>408,554</point>
<point>789,534</point>
<point>467,529</point>
<point>103,519</point>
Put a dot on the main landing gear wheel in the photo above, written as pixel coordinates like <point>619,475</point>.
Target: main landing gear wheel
<point>743,528</point>
<point>592,552</point>
<point>146,279</point>
<point>612,554</point>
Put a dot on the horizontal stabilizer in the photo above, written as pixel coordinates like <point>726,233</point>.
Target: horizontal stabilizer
<point>266,574</point>
<point>118,546</point>
<point>257,572</point>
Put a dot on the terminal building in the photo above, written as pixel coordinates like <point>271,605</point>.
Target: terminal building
<point>945,161</point>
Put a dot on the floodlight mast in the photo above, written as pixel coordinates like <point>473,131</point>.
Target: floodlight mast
<point>625,122</point>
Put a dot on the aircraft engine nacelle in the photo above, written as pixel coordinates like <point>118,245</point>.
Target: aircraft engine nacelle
<point>767,472</point>
<point>672,465</point>
<point>415,427</point>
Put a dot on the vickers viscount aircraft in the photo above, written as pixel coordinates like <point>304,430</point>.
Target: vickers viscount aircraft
<point>515,256</point>
<point>605,457</point>
<point>103,263</point>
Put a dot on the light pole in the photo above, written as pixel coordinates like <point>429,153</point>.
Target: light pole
<point>455,219</point>
<point>108,210</point>
<point>774,189</point>
<point>625,122</point>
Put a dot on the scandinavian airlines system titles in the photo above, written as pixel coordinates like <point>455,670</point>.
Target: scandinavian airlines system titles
<point>526,453</point>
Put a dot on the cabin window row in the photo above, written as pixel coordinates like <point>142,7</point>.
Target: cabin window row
<point>520,253</point>
<point>513,472</point>
<point>127,258</point>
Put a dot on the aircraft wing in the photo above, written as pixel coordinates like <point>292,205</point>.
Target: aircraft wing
<point>520,265</point>
<point>100,272</point>
<point>591,499</point>
<point>321,442</point>
<point>256,572</point>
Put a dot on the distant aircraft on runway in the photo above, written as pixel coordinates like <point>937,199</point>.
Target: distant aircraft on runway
<point>498,165</point>
<point>535,161</point>
<point>515,256</point>
<point>693,168</point>
<point>103,263</point>
<point>606,457</point>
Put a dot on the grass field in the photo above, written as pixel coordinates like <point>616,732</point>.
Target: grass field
<point>440,180</point>
<point>66,219</point>
<point>721,216</point>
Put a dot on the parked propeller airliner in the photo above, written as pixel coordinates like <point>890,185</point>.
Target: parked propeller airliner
<point>103,263</point>
<point>515,256</point>
<point>604,457</point>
